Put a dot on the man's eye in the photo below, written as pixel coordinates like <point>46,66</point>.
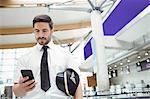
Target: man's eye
<point>44,30</point>
<point>36,30</point>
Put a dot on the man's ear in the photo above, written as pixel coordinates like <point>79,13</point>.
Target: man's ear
<point>52,29</point>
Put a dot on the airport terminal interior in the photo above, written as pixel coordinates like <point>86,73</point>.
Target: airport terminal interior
<point>110,39</point>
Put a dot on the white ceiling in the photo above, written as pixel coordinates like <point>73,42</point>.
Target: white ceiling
<point>21,17</point>
<point>61,14</point>
<point>138,27</point>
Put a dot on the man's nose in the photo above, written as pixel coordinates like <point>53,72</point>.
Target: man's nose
<point>41,34</point>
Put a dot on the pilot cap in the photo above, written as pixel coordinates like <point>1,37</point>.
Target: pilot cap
<point>68,81</point>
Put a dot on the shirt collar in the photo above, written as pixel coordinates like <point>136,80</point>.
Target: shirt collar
<point>50,45</point>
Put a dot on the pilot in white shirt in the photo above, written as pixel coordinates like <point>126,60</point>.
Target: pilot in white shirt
<point>58,61</point>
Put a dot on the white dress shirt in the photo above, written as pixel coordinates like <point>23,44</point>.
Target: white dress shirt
<point>58,61</point>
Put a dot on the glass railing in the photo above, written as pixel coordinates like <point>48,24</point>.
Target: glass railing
<point>144,94</point>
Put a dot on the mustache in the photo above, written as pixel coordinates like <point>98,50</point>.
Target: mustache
<point>41,38</point>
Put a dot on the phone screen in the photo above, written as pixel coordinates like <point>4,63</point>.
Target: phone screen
<point>27,73</point>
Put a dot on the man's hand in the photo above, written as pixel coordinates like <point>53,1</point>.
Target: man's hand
<point>78,94</point>
<point>21,88</point>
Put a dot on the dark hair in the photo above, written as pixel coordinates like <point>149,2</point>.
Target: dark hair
<point>43,18</point>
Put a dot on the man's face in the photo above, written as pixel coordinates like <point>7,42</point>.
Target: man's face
<point>42,32</point>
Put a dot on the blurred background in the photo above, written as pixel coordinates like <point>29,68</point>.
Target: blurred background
<point>126,34</point>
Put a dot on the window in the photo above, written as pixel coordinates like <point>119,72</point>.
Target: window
<point>8,62</point>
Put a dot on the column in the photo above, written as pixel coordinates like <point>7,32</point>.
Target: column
<point>98,36</point>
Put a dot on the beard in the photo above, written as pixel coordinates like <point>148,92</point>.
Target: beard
<point>43,40</point>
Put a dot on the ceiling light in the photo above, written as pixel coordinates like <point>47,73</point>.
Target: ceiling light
<point>115,65</point>
<point>128,61</point>
<point>138,63</point>
<point>138,56</point>
<point>146,53</point>
<point>121,63</point>
<point>109,76</point>
<point>127,67</point>
<point>110,68</point>
<point>148,60</point>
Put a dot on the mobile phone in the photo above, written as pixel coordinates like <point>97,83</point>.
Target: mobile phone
<point>27,73</point>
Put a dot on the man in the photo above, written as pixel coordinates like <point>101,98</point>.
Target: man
<point>58,61</point>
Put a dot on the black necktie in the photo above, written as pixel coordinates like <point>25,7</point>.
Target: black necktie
<point>45,79</point>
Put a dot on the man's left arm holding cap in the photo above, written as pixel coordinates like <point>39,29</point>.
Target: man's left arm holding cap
<point>72,63</point>
<point>78,94</point>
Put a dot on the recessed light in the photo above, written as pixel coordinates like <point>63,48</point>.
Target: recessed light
<point>138,56</point>
<point>121,63</point>
<point>128,61</point>
<point>138,63</point>
<point>148,60</point>
<point>146,53</point>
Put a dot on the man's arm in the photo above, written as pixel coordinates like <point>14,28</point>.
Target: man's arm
<point>78,94</point>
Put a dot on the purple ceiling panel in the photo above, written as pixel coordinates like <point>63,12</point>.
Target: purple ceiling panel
<point>88,49</point>
<point>124,12</point>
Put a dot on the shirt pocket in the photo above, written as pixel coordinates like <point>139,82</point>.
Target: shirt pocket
<point>58,67</point>
<point>58,63</point>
